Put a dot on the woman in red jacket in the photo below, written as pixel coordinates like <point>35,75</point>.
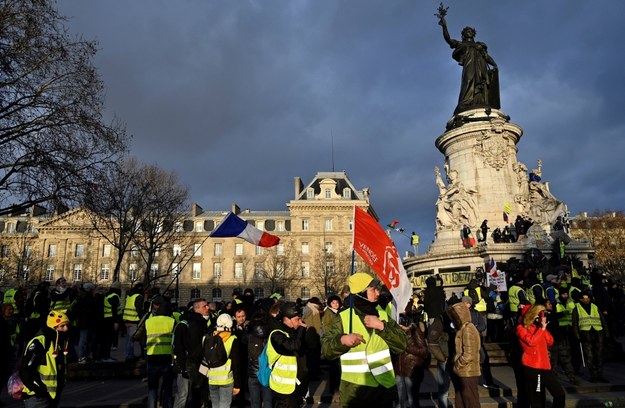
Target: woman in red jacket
<point>535,339</point>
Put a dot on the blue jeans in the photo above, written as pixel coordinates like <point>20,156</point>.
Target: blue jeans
<point>133,348</point>
<point>259,395</point>
<point>155,373</point>
<point>182,392</point>
<point>221,395</point>
<point>443,378</point>
<point>404,389</point>
<point>84,341</point>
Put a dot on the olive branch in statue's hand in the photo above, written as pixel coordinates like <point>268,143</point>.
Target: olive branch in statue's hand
<point>441,13</point>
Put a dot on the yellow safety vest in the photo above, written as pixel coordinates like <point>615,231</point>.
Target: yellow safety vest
<point>159,332</point>
<point>589,321</point>
<point>108,308</point>
<point>223,375</point>
<point>480,306</point>
<point>530,293</point>
<point>513,298</point>
<point>9,297</point>
<point>284,373</point>
<point>130,311</point>
<point>369,363</point>
<point>61,305</point>
<point>48,371</point>
<point>566,309</point>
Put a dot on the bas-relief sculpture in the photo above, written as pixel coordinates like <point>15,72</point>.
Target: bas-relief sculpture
<point>456,205</point>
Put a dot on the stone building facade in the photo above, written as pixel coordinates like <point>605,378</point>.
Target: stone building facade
<point>312,259</point>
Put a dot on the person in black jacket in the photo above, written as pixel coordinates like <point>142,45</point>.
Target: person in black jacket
<point>434,302</point>
<point>187,350</point>
<point>257,335</point>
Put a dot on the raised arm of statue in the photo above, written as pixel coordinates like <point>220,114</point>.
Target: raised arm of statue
<point>442,12</point>
<point>439,181</point>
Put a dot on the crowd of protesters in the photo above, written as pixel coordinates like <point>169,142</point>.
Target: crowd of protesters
<point>555,325</point>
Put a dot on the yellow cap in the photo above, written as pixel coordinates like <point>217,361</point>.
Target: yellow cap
<point>56,318</point>
<point>360,281</point>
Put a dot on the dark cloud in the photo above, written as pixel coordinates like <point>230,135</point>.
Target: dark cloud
<point>239,97</point>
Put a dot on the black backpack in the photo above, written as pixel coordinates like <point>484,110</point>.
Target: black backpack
<point>214,351</point>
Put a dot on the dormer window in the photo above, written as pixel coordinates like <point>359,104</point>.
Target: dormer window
<point>328,193</point>
<point>310,193</point>
<point>347,193</point>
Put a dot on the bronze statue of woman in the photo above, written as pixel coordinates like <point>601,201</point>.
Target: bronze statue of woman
<point>480,83</point>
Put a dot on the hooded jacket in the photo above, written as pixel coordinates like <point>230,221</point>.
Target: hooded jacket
<point>467,342</point>
<point>534,340</point>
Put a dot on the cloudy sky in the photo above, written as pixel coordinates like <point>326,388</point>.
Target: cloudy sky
<point>238,97</point>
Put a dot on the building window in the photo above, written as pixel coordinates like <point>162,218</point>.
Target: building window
<point>177,250</point>
<point>105,272</point>
<point>328,225</point>
<point>238,249</point>
<point>49,273</point>
<point>5,251</point>
<point>280,249</point>
<point>153,271</point>
<point>195,294</point>
<point>238,270</point>
<point>329,268</point>
<point>305,226</point>
<point>328,247</point>
<point>175,268</point>
<point>25,272</point>
<point>197,250</point>
<point>328,193</point>
<point>279,225</point>
<point>280,268</point>
<point>197,270</point>
<point>305,293</point>
<point>52,251</point>
<point>259,270</point>
<point>260,250</point>
<point>106,250</point>
<point>80,250</point>
<point>199,226</point>
<point>132,272</point>
<point>77,275</point>
<point>347,193</point>
<point>280,291</point>
<point>260,225</point>
<point>28,251</point>
<point>217,269</point>
<point>218,249</point>
<point>305,269</point>
<point>134,251</point>
<point>10,227</point>
<point>305,248</point>
<point>217,294</point>
<point>259,292</point>
<point>178,226</point>
<point>310,193</point>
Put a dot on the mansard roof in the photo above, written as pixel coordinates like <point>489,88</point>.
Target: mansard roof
<point>341,183</point>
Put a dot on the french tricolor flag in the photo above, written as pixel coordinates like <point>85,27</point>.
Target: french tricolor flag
<point>235,227</point>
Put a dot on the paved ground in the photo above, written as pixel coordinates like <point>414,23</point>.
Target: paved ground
<point>132,392</point>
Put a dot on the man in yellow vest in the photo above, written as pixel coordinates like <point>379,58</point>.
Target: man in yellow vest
<point>158,349</point>
<point>112,319</point>
<point>61,296</point>
<point>363,336</point>
<point>133,312</point>
<point>286,353</point>
<point>44,363</point>
<point>591,329</point>
<point>561,351</point>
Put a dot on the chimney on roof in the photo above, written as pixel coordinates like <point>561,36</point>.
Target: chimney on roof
<point>299,186</point>
<point>196,210</point>
<point>235,209</point>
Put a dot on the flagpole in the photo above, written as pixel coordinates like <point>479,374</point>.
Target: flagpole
<point>351,295</point>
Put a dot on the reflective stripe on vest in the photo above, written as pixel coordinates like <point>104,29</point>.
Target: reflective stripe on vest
<point>284,373</point>
<point>130,311</point>
<point>108,308</point>
<point>369,363</point>
<point>530,293</point>
<point>47,372</point>
<point>159,332</point>
<point>480,306</point>
<point>61,305</point>
<point>513,298</point>
<point>223,375</point>
<point>589,321</point>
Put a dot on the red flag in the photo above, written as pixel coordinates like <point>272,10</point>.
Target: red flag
<point>379,252</point>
